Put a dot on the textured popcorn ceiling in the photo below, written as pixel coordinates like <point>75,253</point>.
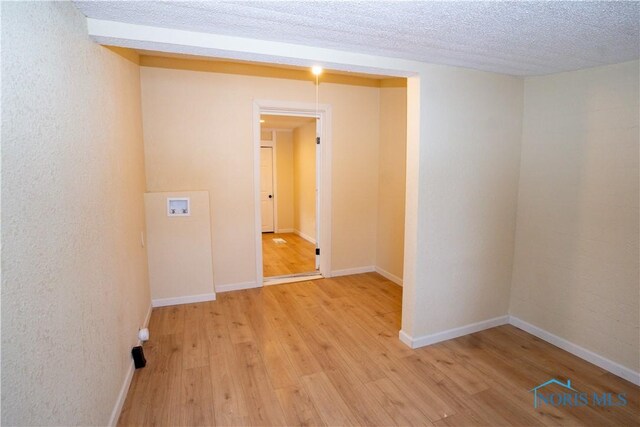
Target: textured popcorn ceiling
<point>521,38</point>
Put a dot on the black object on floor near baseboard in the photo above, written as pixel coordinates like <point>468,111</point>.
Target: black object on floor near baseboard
<point>138,357</point>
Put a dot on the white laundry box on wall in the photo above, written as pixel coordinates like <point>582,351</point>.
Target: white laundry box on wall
<point>179,247</point>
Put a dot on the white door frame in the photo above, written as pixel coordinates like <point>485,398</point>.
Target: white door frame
<point>323,129</point>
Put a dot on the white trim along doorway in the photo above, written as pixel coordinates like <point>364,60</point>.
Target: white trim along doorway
<point>323,177</point>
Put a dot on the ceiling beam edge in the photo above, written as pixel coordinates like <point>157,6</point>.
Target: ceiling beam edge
<point>215,45</point>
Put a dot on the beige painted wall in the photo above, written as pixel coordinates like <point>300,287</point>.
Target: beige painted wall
<point>179,247</point>
<point>74,279</point>
<point>470,123</point>
<point>392,181</point>
<point>198,135</point>
<point>576,268</point>
<point>284,165</point>
<point>304,181</point>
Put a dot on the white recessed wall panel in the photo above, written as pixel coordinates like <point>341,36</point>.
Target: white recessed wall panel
<point>179,249</point>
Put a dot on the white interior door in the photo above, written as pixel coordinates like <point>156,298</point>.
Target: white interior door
<point>266,188</point>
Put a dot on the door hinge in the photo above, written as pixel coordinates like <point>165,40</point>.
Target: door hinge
<point>317,140</point>
<point>317,251</point>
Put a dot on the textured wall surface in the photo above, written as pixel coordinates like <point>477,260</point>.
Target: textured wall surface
<point>198,135</point>
<point>392,180</point>
<point>471,125</point>
<point>575,271</point>
<point>74,281</point>
<point>304,180</point>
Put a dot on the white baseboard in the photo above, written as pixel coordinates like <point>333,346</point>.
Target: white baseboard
<point>237,286</point>
<point>285,230</point>
<point>406,338</point>
<point>305,237</point>
<point>122,396</point>
<point>293,279</point>
<point>424,340</point>
<point>349,271</point>
<point>395,279</point>
<point>581,352</point>
<point>162,302</point>
<point>147,317</point>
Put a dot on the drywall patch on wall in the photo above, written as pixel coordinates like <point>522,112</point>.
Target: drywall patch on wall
<point>179,248</point>
<point>576,266</point>
<point>74,279</point>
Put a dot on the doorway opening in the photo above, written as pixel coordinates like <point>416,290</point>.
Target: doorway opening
<point>291,194</point>
<point>288,193</point>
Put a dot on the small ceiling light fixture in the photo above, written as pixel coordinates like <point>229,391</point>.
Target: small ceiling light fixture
<point>261,120</point>
<point>316,70</point>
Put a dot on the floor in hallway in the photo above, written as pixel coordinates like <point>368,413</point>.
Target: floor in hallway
<point>295,256</point>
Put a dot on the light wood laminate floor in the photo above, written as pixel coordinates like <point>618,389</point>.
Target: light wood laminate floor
<point>326,352</point>
<point>295,256</point>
